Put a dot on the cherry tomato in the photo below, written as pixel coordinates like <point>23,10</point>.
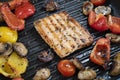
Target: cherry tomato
<point>101,52</point>
<point>66,68</point>
<point>25,10</point>
<point>98,21</point>
<point>98,2</point>
<point>18,79</point>
<point>114,24</point>
<point>11,19</point>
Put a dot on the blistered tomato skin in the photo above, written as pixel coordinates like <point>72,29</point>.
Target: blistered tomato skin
<point>66,68</point>
<point>98,21</point>
<point>25,10</point>
<point>100,24</point>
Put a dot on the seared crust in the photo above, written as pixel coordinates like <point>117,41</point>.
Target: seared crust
<point>63,33</point>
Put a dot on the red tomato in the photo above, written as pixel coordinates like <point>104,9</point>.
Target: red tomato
<point>11,19</point>
<point>18,79</point>
<point>25,10</point>
<point>98,2</point>
<point>101,24</point>
<point>101,52</point>
<point>98,22</point>
<point>66,68</point>
<point>114,24</point>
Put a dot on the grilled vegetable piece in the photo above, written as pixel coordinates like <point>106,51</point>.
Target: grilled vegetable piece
<point>5,69</point>
<point>14,3</point>
<point>46,56</point>
<point>116,66</point>
<point>87,7</point>
<point>18,79</point>
<point>114,24</point>
<point>77,64</point>
<point>12,66</point>
<point>66,68</point>
<point>42,74</point>
<point>63,33</point>
<point>8,35</point>
<point>98,21</point>
<point>20,49</point>
<point>5,48</point>
<point>105,10</point>
<point>11,19</point>
<point>17,63</point>
<point>101,53</point>
<point>51,5</point>
<point>24,10</point>
<point>115,38</point>
<point>87,74</point>
<point>98,2</point>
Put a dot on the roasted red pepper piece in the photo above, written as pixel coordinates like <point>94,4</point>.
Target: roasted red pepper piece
<point>14,3</point>
<point>25,10</point>
<point>114,24</point>
<point>101,52</point>
<point>11,19</point>
<point>98,21</point>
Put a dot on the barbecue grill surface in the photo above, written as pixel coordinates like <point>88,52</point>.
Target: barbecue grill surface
<point>36,44</point>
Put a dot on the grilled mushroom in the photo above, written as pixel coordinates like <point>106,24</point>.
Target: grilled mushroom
<point>20,49</point>
<point>46,56</point>
<point>42,74</point>
<point>6,48</point>
<point>87,74</point>
<point>115,38</point>
<point>51,5</point>
<point>77,63</point>
<point>87,7</point>
<point>105,10</point>
<point>116,66</point>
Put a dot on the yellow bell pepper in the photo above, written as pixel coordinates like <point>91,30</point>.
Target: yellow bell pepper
<point>8,35</point>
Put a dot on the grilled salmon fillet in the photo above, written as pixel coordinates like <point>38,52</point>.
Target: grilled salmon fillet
<point>63,33</point>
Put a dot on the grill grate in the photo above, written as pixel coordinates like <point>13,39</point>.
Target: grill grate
<point>35,44</point>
